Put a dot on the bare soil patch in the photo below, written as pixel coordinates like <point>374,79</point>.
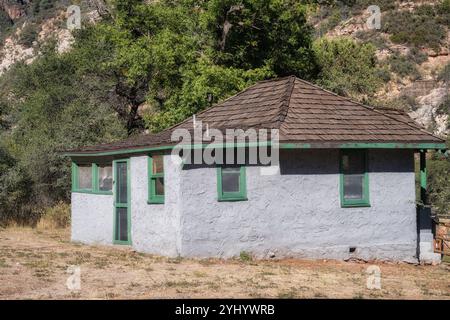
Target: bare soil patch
<point>34,263</point>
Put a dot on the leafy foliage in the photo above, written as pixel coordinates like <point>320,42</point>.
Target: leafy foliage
<point>347,67</point>
<point>439,182</point>
<point>403,66</point>
<point>421,27</point>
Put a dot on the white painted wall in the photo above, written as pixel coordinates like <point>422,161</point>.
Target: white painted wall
<point>92,218</point>
<point>155,227</point>
<point>296,213</point>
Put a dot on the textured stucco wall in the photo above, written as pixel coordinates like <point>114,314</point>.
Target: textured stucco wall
<point>297,212</point>
<point>155,227</point>
<point>92,218</point>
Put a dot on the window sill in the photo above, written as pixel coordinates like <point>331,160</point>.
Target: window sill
<point>106,193</point>
<point>355,205</point>
<point>232,199</point>
<point>155,201</point>
<point>120,242</point>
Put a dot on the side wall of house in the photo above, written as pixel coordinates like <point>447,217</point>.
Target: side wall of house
<point>92,218</point>
<point>155,227</point>
<point>297,212</point>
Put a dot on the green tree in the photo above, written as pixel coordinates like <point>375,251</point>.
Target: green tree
<point>252,34</point>
<point>347,67</point>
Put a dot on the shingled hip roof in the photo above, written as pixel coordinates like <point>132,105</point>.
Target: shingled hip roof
<point>303,113</point>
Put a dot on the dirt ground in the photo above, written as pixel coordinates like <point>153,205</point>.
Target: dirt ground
<point>34,265</point>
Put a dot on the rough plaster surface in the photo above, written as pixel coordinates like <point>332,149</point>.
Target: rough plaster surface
<point>92,218</point>
<point>155,227</point>
<point>297,213</point>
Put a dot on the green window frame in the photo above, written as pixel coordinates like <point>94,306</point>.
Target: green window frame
<point>364,200</point>
<point>95,188</point>
<point>153,197</point>
<point>240,195</point>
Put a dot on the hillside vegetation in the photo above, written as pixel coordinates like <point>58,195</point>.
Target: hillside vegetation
<point>140,66</point>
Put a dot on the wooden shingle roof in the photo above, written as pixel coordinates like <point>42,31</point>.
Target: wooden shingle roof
<point>303,113</point>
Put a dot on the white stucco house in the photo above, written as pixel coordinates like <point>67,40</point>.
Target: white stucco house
<point>343,186</point>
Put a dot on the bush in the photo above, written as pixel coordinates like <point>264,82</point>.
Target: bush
<point>384,74</point>
<point>417,56</point>
<point>347,67</point>
<point>444,74</point>
<point>439,184</point>
<point>403,66</point>
<point>418,28</point>
<point>245,256</point>
<point>28,35</point>
<point>55,217</point>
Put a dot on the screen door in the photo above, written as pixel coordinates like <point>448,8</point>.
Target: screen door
<point>121,202</point>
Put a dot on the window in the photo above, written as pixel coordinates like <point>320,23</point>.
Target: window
<point>231,184</point>
<point>84,177</point>
<point>156,179</point>
<point>104,177</point>
<point>92,178</point>
<point>354,180</point>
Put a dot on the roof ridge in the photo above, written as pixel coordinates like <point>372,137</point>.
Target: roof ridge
<point>285,100</point>
<point>372,109</point>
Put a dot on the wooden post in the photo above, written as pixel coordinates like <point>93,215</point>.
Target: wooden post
<point>423,177</point>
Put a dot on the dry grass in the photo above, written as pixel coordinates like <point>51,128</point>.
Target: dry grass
<point>33,265</point>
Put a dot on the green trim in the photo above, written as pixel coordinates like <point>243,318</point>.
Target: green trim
<point>94,176</point>
<point>365,201</point>
<point>295,145</point>
<point>74,176</point>
<point>122,205</point>
<point>351,145</point>
<point>423,177</point>
<point>153,198</point>
<point>232,196</point>
<point>393,145</point>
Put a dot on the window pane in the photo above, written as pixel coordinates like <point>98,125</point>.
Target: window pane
<point>159,186</point>
<point>122,224</point>
<point>353,162</point>
<point>353,186</point>
<point>121,174</point>
<point>353,165</point>
<point>230,179</point>
<point>105,177</point>
<point>84,176</point>
<point>158,164</point>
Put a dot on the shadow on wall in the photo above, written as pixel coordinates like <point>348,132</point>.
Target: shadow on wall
<point>326,161</point>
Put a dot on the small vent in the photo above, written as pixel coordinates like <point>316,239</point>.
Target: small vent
<point>352,249</point>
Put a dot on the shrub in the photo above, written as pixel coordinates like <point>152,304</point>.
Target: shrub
<point>417,56</point>
<point>373,37</point>
<point>347,67</point>
<point>444,74</point>
<point>28,35</point>
<point>439,184</point>
<point>384,74</point>
<point>402,66</point>
<point>57,216</point>
<point>419,28</point>
<point>245,256</point>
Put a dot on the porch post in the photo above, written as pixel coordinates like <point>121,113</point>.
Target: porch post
<point>423,177</point>
<point>425,223</point>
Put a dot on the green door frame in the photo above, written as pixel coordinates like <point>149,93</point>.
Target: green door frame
<point>122,205</point>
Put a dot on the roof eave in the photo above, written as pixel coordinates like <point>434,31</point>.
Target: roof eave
<point>283,145</point>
